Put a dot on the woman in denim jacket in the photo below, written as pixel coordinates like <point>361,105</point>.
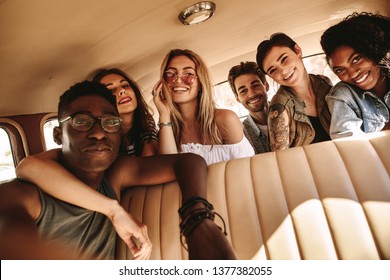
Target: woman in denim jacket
<point>360,102</point>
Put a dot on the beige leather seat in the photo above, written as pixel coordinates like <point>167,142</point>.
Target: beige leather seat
<point>329,200</point>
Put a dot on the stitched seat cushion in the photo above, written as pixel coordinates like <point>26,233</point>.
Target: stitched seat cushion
<point>329,200</point>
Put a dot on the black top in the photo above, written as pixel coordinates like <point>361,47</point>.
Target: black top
<point>321,134</point>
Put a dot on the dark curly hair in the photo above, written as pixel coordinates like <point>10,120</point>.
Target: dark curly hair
<point>143,119</point>
<point>367,33</point>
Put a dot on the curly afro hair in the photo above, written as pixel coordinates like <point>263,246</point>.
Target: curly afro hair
<point>366,33</point>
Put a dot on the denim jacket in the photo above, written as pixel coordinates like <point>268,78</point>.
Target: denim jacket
<point>355,111</point>
<point>256,137</point>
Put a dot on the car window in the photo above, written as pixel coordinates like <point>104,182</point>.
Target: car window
<point>48,133</point>
<point>7,164</point>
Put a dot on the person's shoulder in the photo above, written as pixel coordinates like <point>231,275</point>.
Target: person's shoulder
<point>282,96</point>
<point>17,192</point>
<point>321,78</point>
<point>225,115</point>
<point>341,89</point>
<point>342,84</point>
<point>247,121</point>
<point>229,125</point>
<point>17,184</point>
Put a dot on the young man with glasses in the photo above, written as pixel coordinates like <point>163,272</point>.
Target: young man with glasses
<point>89,133</point>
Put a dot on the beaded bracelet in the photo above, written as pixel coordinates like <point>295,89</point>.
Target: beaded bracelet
<point>160,124</point>
<point>195,217</point>
<point>192,202</point>
<point>187,225</point>
<point>191,222</point>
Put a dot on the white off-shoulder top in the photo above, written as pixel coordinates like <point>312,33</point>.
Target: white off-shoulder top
<point>217,153</point>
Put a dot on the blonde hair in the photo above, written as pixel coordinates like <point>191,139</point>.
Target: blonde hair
<point>209,132</point>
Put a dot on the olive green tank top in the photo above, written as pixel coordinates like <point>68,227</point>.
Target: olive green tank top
<point>89,234</point>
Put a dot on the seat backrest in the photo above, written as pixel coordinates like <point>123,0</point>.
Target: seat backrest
<point>329,200</point>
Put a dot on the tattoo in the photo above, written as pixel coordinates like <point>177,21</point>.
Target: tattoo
<point>278,127</point>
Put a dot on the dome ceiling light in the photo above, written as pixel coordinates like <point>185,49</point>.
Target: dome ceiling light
<point>197,13</point>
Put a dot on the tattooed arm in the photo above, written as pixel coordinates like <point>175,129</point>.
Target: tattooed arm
<point>278,123</point>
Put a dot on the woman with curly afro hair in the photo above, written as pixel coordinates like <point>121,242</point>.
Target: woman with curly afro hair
<point>358,51</point>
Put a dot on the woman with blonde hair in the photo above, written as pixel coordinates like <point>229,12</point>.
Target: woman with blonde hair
<point>189,120</point>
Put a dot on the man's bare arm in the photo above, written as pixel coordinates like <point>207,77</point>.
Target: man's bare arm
<point>188,169</point>
<point>19,238</point>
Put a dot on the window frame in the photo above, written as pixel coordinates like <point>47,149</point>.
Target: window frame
<point>18,139</point>
<point>47,117</point>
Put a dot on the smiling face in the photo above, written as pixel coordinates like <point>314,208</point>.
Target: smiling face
<point>354,69</point>
<point>181,90</point>
<point>251,92</point>
<point>121,89</point>
<point>90,151</point>
<point>284,65</point>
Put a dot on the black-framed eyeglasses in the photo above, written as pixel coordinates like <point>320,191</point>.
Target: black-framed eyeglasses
<point>84,122</point>
<point>187,77</point>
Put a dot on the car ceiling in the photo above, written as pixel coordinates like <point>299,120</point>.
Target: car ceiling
<point>47,45</point>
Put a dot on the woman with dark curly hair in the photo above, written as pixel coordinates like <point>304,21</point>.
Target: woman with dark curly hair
<point>358,51</point>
